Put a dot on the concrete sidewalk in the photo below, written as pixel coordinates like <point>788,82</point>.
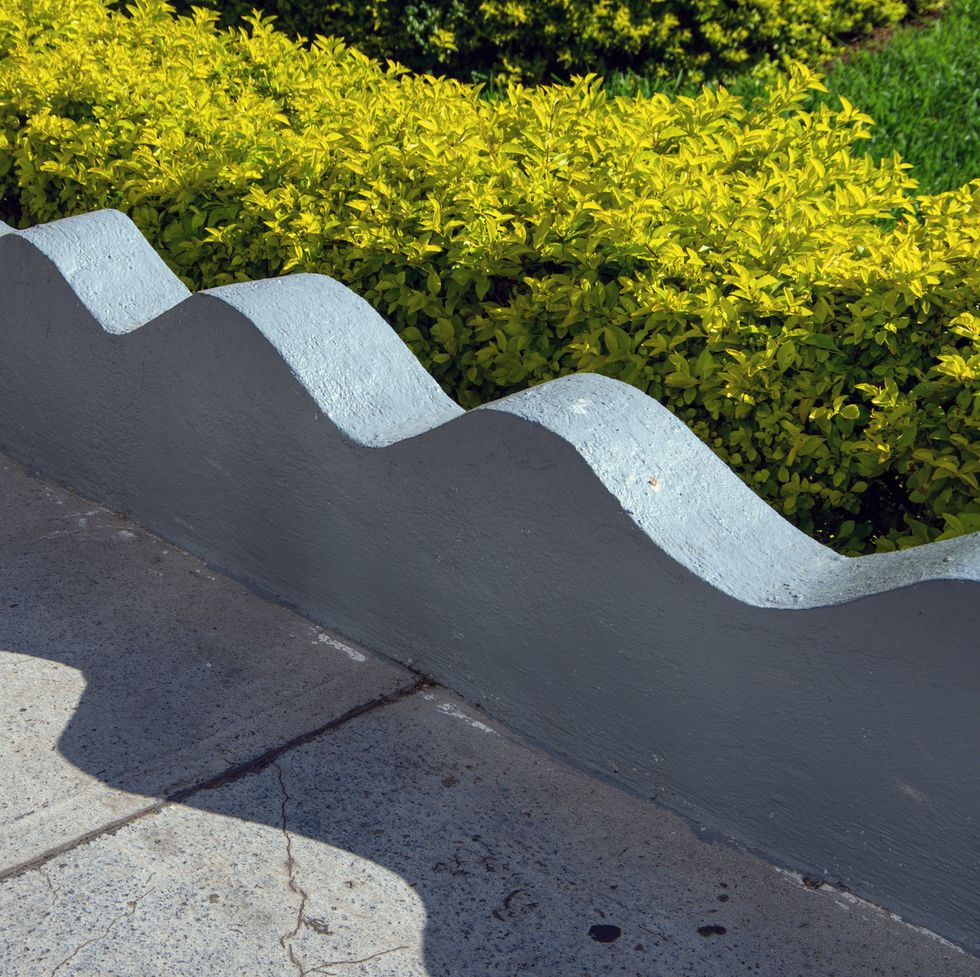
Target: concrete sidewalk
<point>194,781</point>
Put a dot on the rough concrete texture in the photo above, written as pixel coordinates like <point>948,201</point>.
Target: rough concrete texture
<point>571,557</point>
<point>416,840</point>
<point>415,837</point>
<point>131,672</point>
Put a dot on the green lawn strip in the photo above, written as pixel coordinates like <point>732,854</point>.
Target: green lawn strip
<point>922,88</point>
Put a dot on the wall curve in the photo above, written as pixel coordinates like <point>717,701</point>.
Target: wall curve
<point>571,557</point>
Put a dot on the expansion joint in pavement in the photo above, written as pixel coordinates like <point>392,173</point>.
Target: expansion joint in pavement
<point>231,774</point>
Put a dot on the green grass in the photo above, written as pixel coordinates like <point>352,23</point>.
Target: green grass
<point>921,85</point>
<point>922,88</point>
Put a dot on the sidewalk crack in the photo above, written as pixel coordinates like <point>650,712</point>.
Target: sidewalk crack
<point>131,908</point>
<point>286,940</point>
<point>319,968</point>
<point>246,768</point>
<point>47,880</point>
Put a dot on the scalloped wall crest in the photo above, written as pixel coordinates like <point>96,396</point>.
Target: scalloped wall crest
<point>571,557</point>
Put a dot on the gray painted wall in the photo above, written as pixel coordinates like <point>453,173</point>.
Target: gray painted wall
<point>678,636</point>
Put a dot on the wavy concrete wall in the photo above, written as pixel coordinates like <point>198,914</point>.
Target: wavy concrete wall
<point>570,557</point>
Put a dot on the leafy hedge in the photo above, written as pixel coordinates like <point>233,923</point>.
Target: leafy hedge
<point>535,39</point>
<point>807,318</point>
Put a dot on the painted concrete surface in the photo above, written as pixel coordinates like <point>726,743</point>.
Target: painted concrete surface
<point>570,557</point>
<point>417,837</point>
<point>129,671</point>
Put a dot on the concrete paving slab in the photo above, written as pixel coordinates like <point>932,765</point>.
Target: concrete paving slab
<point>328,813</point>
<point>129,671</point>
<point>421,840</point>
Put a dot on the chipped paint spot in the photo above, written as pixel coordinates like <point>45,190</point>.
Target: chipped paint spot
<point>580,406</point>
<point>352,653</point>
<point>448,709</point>
<point>847,899</point>
<point>909,791</point>
<point>124,534</point>
<point>655,483</point>
<point>796,878</point>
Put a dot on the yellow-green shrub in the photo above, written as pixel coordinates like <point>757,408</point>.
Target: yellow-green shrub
<point>534,39</point>
<point>811,322</point>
